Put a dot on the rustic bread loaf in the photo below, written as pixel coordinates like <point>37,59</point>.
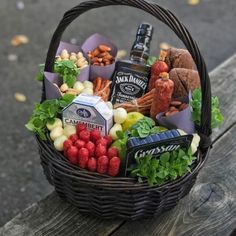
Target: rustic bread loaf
<point>184,80</point>
<point>179,58</point>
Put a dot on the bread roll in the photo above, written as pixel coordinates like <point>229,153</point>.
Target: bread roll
<point>184,80</point>
<point>179,58</point>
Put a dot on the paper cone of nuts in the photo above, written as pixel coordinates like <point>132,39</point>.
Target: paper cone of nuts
<point>178,116</point>
<point>102,54</point>
<point>74,52</point>
<point>66,51</point>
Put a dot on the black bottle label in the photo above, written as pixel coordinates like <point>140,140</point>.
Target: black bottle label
<point>128,85</point>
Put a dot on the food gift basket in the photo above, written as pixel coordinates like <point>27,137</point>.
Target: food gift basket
<point>109,194</point>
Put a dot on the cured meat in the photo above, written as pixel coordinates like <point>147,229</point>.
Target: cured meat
<point>164,88</point>
<point>158,67</point>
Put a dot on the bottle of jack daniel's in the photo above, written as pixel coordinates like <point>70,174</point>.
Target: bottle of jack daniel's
<point>130,79</point>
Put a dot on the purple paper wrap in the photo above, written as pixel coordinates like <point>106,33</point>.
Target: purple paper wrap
<point>51,90</point>
<point>69,47</point>
<point>99,71</point>
<point>181,120</point>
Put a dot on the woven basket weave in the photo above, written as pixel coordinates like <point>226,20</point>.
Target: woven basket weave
<point>124,197</point>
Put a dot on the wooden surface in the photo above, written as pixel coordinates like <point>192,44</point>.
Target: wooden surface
<point>209,209</point>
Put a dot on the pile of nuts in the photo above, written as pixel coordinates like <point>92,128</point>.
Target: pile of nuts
<point>78,58</point>
<point>175,107</point>
<point>79,87</point>
<point>101,56</point>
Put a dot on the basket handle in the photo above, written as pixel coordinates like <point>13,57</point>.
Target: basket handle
<point>170,20</point>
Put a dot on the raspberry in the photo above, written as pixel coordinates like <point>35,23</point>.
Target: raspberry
<point>109,140</point>
<point>80,143</point>
<point>72,154</point>
<point>91,148</point>
<point>95,135</point>
<point>102,164</point>
<point>114,166</point>
<point>74,138</point>
<point>67,144</point>
<point>102,141</point>
<point>80,127</point>
<point>84,135</point>
<point>83,156</point>
<point>92,164</point>
<point>100,150</point>
<point>112,152</point>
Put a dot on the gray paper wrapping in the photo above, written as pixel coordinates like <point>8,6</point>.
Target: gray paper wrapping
<point>181,120</point>
<point>51,90</point>
<point>99,71</point>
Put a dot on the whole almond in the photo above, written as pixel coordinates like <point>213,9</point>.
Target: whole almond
<point>108,56</point>
<point>171,113</point>
<point>105,60</point>
<point>95,59</point>
<point>95,52</point>
<point>173,109</point>
<point>107,63</point>
<point>183,106</point>
<point>104,48</point>
<point>167,113</point>
<point>103,54</point>
<point>175,103</point>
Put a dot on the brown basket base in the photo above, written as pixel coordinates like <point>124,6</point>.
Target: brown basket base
<point>107,197</point>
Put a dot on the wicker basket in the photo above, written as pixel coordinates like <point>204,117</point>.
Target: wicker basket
<point>124,197</point>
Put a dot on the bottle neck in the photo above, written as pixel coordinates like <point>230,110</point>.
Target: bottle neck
<point>140,49</point>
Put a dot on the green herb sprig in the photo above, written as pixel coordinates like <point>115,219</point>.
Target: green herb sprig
<point>196,102</point>
<point>169,166</point>
<point>45,112</point>
<point>143,128</point>
<point>66,69</point>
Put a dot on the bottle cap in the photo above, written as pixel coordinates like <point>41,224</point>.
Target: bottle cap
<point>145,29</point>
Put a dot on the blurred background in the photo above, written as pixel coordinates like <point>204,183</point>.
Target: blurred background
<point>211,23</point>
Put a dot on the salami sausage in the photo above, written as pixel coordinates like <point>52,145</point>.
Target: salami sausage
<point>164,88</point>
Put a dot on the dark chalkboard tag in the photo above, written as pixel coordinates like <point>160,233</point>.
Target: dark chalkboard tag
<point>155,144</point>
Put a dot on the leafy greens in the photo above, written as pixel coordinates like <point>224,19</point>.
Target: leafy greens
<point>45,112</point>
<point>169,166</point>
<point>143,128</point>
<point>196,103</point>
<point>66,69</point>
